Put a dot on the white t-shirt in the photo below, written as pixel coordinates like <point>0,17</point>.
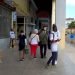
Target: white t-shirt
<point>54,36</point>
<point>34,39</point>
<point>12,34</point>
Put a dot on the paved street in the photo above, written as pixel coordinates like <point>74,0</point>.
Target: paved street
<point>11,66</point>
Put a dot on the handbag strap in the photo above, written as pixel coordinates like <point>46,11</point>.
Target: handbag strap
<point>32,38</point>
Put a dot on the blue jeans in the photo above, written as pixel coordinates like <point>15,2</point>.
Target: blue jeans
<point>53,58</point>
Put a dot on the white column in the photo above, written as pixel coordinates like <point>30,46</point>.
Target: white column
<point>14,17</point>
<point>53,12</point>
<point>12,21</point>
<point>24,25</point>
<point>60,19</point>
<point>16,30</point>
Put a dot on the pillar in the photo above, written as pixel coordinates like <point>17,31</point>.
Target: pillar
<point>60,19</point>
<point>24,26</point>
<point>53,12</point>
<point>12,21</point>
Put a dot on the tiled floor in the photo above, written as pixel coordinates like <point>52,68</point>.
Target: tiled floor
<point>30,66</point>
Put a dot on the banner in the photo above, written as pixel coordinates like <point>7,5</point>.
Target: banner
<point>14,16</point>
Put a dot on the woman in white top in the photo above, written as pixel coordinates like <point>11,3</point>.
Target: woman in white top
<point>54,38</point>
<point>33,41</point>
<point>12,38</point>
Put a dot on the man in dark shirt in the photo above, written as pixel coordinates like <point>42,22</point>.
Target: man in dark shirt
<point>43,43</point>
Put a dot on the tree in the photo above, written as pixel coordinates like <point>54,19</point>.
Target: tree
<point>72,25</point>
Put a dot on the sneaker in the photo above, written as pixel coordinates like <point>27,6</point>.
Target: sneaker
<point>41,57</point>
<point>35,57</point>
<point>55,62</point>
<point>10,47</point>
<point>20,59</point>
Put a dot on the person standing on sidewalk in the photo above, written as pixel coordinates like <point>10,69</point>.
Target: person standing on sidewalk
<point>33,41</point>
<point>54,38</point>
<point>21,38</point>
<point>12,38</point>
<point>43,43</point>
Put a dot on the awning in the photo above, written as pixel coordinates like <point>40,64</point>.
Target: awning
<point>7,6</point>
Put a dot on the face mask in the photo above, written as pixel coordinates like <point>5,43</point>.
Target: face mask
<point>22,33</point>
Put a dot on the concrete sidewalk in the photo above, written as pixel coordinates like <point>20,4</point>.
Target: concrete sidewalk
<point>11,65</point>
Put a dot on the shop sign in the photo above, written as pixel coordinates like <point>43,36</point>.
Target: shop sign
<point>1,1</point>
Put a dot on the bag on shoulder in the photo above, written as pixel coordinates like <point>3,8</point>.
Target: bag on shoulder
<point>26,50</point>
<point>25,41</point>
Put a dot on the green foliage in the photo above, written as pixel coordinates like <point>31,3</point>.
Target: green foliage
<point>71,25</point>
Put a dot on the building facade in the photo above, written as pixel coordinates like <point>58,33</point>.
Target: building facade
<point>5,23</point>
<point>16,10</point>
<point>56,13</point>
<point>23,17</point>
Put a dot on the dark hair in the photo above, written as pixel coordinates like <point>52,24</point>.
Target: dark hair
<point>11,29</point>
<point>54,28</point>
<point>42,29</point>
<point>21,31</point>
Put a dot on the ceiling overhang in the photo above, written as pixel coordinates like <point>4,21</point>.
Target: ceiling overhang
<point>44,5</point>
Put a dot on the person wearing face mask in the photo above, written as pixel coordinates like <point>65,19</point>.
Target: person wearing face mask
<point>43,43</point>
<point>12,38</point>
<point>21,45</point>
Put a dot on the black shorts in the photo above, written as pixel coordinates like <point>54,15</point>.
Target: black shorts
<point>21,47</point>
